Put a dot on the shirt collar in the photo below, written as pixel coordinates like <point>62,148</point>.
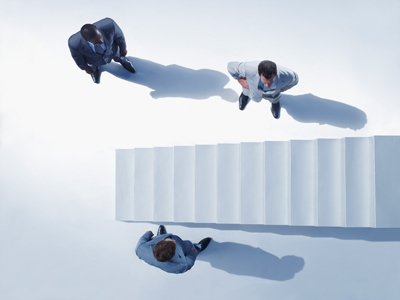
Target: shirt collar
<point>261,86</point>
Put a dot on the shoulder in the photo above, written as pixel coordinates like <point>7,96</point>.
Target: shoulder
<point>252,67</point>
<point>74,40</point>
<point>145,250</point>
<point>105,23</point>
<point>169,267</point>
<point>177,268</point>
<point>175,237</point>
<point>285,72</point>
<point>108,20</point>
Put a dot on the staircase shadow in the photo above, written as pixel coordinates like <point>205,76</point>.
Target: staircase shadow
<point>342,233</point>
<point>312,109</point>
<point>175,80</point>
<point>245,260</point>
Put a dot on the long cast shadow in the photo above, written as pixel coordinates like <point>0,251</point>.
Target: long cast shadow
<point>245,260</point>
<point>182,82</point>
<point>342,233</point>
<point>312,109</point>
<point>175,80</point>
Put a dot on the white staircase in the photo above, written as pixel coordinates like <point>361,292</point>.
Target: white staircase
<point>349,182</point>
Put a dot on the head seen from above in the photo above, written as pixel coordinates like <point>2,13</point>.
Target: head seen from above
<point>164,250</point>
<point>267,72</point>
<point>91,34</point>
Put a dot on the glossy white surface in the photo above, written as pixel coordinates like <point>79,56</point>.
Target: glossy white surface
<point>277,183</point>
<point>59,132</point>
<point>206,187</point>
<point>228,183</point>
<point>331,183</point>
<point>163,184</point>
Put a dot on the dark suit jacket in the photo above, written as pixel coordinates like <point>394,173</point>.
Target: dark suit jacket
<point>84,55</point>
<point>182,261</point>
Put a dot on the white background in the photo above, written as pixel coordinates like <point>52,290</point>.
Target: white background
<point>59,132</point>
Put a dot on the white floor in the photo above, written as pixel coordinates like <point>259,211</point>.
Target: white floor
<point>59,132</point>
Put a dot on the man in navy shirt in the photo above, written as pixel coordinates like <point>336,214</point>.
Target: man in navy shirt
<point>169,252</point>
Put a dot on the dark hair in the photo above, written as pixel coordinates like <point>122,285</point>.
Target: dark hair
<point>89,31</point>
<point>267,69</point>
<point>164,250</point>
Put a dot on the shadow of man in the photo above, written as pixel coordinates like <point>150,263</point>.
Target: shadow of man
<point>174,80</point>
<point>246,260</point>
<point>311,109</point>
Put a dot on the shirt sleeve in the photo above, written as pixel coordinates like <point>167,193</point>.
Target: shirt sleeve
<point>119,37</point>
<point>190,259</point>
<point>144,239</point>
<point>294,79</point>
<point>236,70</point>
<point>78,58</point>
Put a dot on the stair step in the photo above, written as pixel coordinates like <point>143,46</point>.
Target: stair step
<point>304,205</point>
<point>359,201</point>
<point>184,184</point>
<point>144,184</point>
<point>206,188</point>
<point>387,176</point>
<point>331,183</point>
<point>277,183</point>
<point>229,204</point>
<point>349,182</point>
<point>124,184</point>
<point>252,183</point>
<point>163,184</point>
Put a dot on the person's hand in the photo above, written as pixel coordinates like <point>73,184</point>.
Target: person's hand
<point>243,82</point>
<point>195,251</point>
<point>150,231</point>
<point>90,70</point>
<point>123,53</point>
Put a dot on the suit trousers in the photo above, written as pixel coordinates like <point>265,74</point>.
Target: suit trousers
<point>115,58</point>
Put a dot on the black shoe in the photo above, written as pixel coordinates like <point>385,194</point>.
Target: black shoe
<point>161,230</point>
<point>204,243</point>
<point>96,76</point>
<point>243,100</point>
<point>128,65</point>
<point>276,110</point>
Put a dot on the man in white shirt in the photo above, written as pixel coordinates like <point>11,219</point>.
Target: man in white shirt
<point>262,80</point>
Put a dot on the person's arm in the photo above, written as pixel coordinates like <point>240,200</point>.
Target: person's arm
<point>119,38</point>
<point>238,72</point>
<point>291,83</point>
<point>236,69</point>
<point>291,79</point>
<point>190,259</point>
<point>144,239</point>
<point>79,59</point>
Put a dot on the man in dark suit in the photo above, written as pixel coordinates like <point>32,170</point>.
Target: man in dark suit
<point>169,252</point>
<point>97,44</point>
